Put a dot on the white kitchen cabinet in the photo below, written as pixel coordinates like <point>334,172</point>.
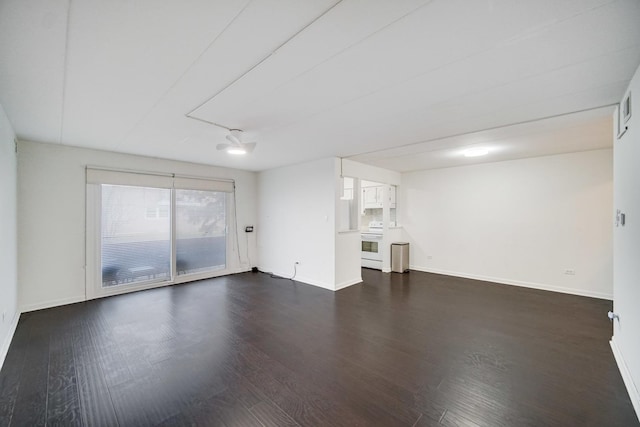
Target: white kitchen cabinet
<point>372,197</point>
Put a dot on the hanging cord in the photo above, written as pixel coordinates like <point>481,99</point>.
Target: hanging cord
<point>248,257</point>
<point>235,221</point>
<point>235,224</point>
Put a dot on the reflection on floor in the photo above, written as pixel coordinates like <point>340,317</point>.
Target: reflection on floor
<point>397,350</point>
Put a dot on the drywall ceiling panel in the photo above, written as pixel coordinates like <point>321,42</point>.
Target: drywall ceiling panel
<point>140,65</point>
<point>475,74</point>
<point>561,135</point>
<point>586,119</point>
<point>545,88</point>
<point>123,56</point>
<point>345,25</point>
<point>32,52</point>
<point>321,135</point>
<point>262,28</point>
<point>419,42</point>
<point>248,39</point>
<point>548,94</point>
<point>304,79</point>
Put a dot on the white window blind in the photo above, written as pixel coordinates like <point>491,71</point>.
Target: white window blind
<point>184,183</point>
<point>142,179</point>
<point>102,176</point>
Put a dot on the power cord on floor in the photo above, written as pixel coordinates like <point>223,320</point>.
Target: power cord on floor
<point>275,276</point>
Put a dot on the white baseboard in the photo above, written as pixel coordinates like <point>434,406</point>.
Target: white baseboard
<point>319,284</point>
<point>541,286</point>
<point>52,303</point>
<point>626,377</point>
<point>314,282</point>
<point>7,340</point>
<point>348,283</point>
<point>306,280</point>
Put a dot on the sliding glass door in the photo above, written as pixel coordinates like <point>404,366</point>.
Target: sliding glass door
<point>145,231</point>
<point>201,224</point>
<point>136,235</point>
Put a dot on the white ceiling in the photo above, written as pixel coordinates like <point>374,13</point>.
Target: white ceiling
<point>583,131</point>
<point>401,84</point>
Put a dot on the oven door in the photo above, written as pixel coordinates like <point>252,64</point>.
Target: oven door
<point>371,247</point>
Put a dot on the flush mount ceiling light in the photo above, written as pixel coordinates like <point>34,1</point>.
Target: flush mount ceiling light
<point>476,152</point>
<point>236,150</point>
<point>236,146</point>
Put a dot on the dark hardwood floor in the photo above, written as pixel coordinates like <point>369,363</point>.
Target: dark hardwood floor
<point>411,349</point>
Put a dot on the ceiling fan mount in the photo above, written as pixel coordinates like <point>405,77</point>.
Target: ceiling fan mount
<point>236,145</point>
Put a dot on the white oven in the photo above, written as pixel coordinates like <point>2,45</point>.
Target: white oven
<point>371,251</point>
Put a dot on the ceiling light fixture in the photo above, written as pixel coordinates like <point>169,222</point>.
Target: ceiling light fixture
<point>476,152</point>
<point>236,150</point>
<point>235,145</point>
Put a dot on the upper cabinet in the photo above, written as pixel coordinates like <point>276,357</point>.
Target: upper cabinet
<point>372,197</point>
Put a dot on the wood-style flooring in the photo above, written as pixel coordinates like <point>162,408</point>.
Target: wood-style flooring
<point>412,349</point>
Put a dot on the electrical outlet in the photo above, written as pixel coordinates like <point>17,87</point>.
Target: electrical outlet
<point>570,272</point>
<point>429,257</point>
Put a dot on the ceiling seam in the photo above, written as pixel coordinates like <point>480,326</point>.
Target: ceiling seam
<point>208,122</point>
<point>189,114</point>
<point>523,122</point>
<point>184,73</point>
<point>65,72</point>
<point>541,28</point>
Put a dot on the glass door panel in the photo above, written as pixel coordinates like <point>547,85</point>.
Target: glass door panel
<point>200,231</point>
<point>136,235</point>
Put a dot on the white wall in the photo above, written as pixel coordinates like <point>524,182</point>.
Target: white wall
<point>8,238</point>
<point>347,242</point>
<point>521,222</point>
<point>370,173</point>
<point>297,221</point>
<point>348,260</point>
<point>626,289</point>
<point>51,208</point>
